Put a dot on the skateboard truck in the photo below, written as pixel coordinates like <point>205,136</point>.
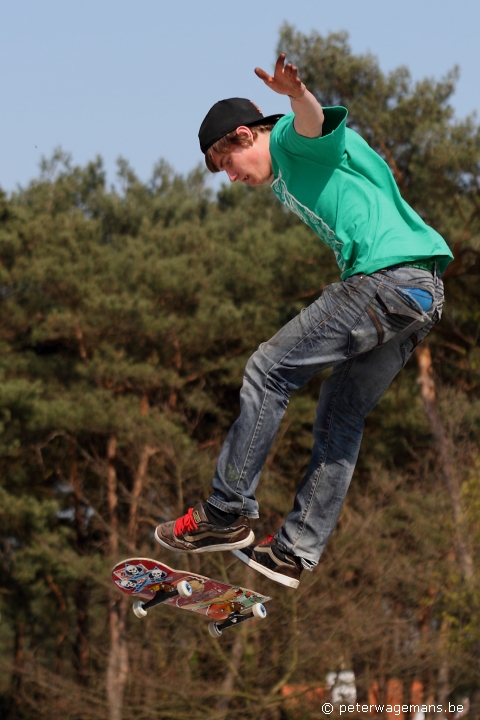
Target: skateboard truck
<point>215,629</point>
<point>184,589</point>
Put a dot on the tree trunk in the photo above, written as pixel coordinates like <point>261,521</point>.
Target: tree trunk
<point>117,669</point>
<point>62,635</point>
<point>444,670</point>
<point>444,450</point>
<point>112,495</point>
<point>81,645</point>
<point>236,655</point>
<point>18,668</point>
<point>445,453</point>
<point>137,489</point>
<point>226,688</point>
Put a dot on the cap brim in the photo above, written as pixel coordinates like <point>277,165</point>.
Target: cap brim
<point>269,120</point>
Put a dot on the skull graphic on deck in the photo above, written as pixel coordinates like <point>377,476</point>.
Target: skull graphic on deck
<point>157,574</point>
<point>128,584</point>
<point>133,570</point>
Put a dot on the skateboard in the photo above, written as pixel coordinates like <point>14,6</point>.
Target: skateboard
<point>156,583</point>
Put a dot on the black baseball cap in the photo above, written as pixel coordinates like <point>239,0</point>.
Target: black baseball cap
<point>226,115</point>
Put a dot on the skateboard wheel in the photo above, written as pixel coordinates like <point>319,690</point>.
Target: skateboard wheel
<point>259,611</point>
<point>138,610</point>
<point>214,630</point>
<point>184,589</point>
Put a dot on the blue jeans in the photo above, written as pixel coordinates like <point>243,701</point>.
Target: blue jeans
<point>366,328</point>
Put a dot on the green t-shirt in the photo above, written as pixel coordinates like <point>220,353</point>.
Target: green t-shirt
<point>346,193</point>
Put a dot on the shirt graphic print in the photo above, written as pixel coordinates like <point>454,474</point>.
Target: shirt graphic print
<point>318,225</point>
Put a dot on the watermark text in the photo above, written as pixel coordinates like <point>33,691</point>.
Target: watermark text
<point>392,709</point>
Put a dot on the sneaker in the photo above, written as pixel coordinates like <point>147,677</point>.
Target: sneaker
<point>267,558</point>
<point>194,533</point>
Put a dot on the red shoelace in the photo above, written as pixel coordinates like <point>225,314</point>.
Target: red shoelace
<point>268,539</point>
<point>186,523</point>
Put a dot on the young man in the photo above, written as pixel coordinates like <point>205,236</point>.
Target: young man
<point>365,327</point>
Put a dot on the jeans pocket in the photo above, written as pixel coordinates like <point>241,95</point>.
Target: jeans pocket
<point>395,304</point>
<point>387,315</point>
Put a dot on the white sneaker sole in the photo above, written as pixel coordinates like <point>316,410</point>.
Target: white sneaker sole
<point>276,577</point>
<point>210,548</point>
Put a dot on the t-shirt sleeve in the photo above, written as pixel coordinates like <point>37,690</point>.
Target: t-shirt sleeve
<point>326,150</point>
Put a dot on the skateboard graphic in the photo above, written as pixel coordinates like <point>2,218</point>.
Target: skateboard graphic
<point>156,583</point>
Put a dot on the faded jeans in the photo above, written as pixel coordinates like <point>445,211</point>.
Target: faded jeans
<point>366,328</point>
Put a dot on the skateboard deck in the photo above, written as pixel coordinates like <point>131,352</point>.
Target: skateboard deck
<point>157,583</point>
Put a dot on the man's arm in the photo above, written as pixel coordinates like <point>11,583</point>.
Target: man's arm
<point>285,81</point>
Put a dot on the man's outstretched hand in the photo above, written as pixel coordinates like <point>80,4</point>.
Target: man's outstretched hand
<point>285,80</point>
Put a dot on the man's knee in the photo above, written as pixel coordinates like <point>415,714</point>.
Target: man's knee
<point>258,364</point>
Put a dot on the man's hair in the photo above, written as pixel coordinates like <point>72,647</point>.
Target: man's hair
<point>230,140</point>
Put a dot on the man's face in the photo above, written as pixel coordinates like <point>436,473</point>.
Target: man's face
<point>250,165</point>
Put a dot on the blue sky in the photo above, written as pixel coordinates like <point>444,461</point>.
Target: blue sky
<point>117,77</point>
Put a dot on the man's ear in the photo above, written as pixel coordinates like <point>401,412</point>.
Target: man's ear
<point>244,130</point>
